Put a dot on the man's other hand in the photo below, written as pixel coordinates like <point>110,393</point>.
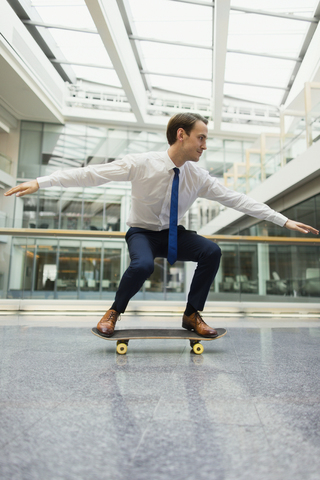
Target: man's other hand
<point>23,189</point>
<point>300,227</point>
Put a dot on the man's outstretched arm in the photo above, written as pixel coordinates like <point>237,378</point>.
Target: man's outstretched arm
<point>300,227</point>
<point>23,189</point>
<point>27,188</point>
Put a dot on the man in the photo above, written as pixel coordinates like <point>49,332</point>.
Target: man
<point>158,179</point>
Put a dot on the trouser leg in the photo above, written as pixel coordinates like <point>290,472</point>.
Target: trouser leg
<point>144,247</point>
<point>207,254</point>
<point>141,251</point>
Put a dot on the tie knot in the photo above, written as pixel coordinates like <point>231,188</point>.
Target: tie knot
<point>176,170</point>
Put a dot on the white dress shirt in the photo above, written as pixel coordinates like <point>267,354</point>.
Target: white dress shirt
<point>151,175</point>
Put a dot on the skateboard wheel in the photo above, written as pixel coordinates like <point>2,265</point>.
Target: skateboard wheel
<point>198,348</point>
<point>122,348</point>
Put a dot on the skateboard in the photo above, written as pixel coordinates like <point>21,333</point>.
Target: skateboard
<point>122,337</point>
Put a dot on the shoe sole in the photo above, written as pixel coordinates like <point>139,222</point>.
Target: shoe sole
<point>193,330</point>
<point>105,334</point>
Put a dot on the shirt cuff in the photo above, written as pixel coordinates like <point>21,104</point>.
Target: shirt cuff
<point>280,220</point>
<point>44,182</point>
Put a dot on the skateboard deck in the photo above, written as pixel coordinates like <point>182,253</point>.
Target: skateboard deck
<point>122,337</point>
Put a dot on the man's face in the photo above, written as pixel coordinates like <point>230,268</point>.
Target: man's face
<point>194,144</point>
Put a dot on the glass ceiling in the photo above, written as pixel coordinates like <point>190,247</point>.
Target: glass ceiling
<point>184,65</point>
<point>77,47</point>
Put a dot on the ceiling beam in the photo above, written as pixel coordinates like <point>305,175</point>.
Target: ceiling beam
<point>58,27</point>
<point>196,2</point>
<point>125,10</point>
<point>208,47</point>
<point>169,42</point>
<point>220,32</point>
<point>109,23</point>
<point>256,85</point>
<point>203,79</point>
<point>80,64</point>
<point>175,75</point>
<point>265,55</point>
<point>287,16</point>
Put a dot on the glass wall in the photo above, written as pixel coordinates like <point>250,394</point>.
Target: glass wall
<point>268,272</point>
<point>45,148</point>
<point>75,208</point>
<point>65,269</point>
<point>291,271</point>
<point>307,212</point>
<point>92,269</point>
<point>83,269</point>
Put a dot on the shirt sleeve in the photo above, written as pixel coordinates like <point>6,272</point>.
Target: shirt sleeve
<point>212,189</point>
<point>91,176</point>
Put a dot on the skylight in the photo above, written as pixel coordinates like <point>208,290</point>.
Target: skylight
<point>173,44</point>
<point>78,47</point>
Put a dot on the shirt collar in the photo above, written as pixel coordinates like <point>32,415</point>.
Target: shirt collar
<point>169,163</point>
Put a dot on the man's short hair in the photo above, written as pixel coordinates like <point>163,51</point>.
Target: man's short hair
<point>182,120</point>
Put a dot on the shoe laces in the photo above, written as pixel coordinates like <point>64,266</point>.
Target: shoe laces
<point>199,319</point>
<point>113,317</point>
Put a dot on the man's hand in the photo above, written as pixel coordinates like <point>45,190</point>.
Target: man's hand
<point>23,189</point>
<point>300,227</point>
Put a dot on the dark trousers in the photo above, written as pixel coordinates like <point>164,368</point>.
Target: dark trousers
<point>145,245</point>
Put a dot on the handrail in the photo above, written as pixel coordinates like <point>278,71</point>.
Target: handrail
<point>98,234</point>
<point>264,239</point>
<point>45,232</point>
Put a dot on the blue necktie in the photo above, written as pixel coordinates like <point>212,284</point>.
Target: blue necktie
<point>173,227</point>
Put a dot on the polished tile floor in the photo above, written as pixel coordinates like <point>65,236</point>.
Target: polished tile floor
<point>72,409</point>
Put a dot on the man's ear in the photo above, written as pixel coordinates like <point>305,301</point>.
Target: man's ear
<point>180,134</point>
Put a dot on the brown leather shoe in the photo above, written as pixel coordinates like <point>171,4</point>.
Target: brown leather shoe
<point>196,323</point>
<point>108,322</point>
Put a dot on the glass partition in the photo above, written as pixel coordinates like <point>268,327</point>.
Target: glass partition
<point>64,269</point>
<point>154,286</point>
<point>45,269</point>
<point>307,211</point>
<point>90,273</point>
<point>68,269</point>
<point>46,148</point>
<point>74,208</point>
<point>268,272</point>
<point>111,260</point>
<point>80,268</point>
